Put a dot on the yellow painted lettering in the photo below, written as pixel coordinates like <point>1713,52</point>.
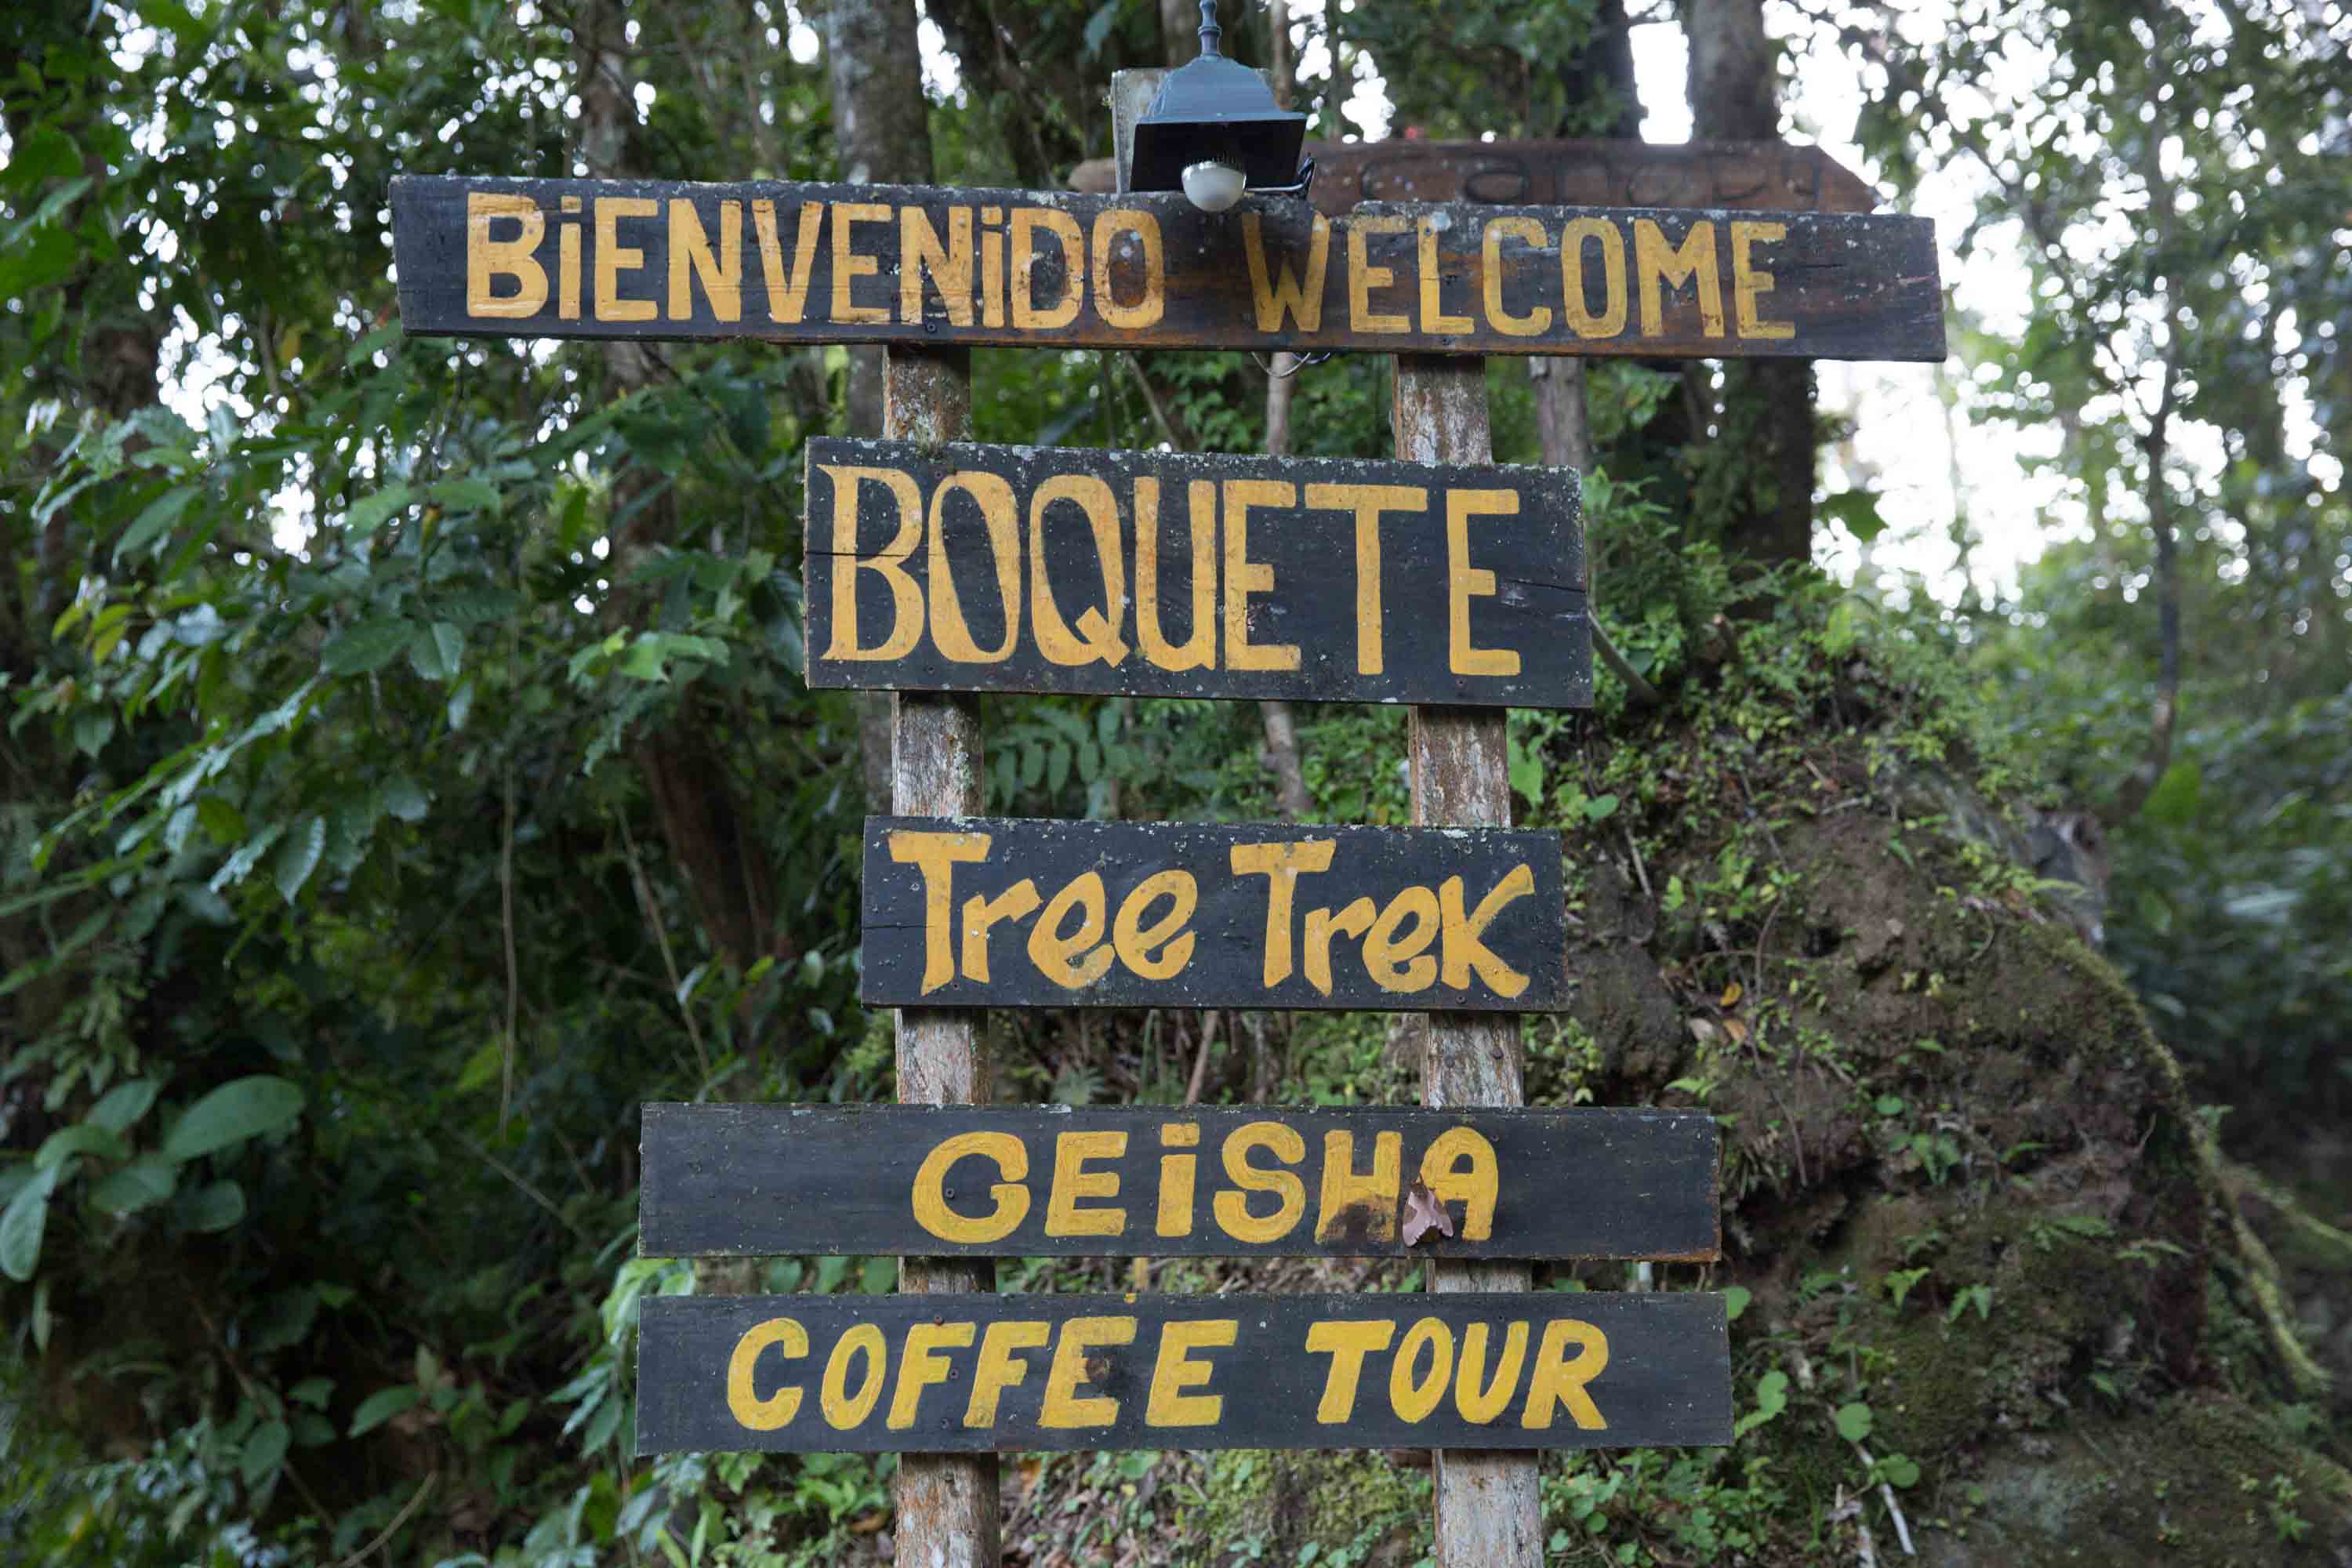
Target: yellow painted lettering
<point>1574,308</point>
<point>690,257</point>
<point>1559,1379</point>
<point>1063,1406</point>
<point>999,513</point>
<point>1149,950</point>
<point>1491,274</point>
<point>1346,1341</point>
<point>1478,1400</point>
<point>1459,1163</point>
<point>1414,1397</point>
<point>787,293</point>
<point>1174,1371</point>
<point>752,1412</point>
<point>1281,866</point>
<point>1368,502</point>
<point>1434,318</point>
<point>1096,637</point>
<point>487,258</point>
<point>1073,1181</point>
<point>567,250</point>
<point>1175,1212</point>
<point>930,1197</point>
<point>1199,648</point>
<point>998,1369</point>
<point>1108,226</point>
<point>1462,942</point>
<point>980,914</point>
<point>1660,266</point>
<point>848,266</point>
<point>936,854</point>
<point>1377,1189</point>
<point>1401,963</point>
<point>1245,577</point>
<point>1285,293</point>
<point>906,598</point>
<point>1750,283</point>
<point>992,266</point>
<point>920,1366</point>
<point>947,264</point>
<point>1232,1208</point>
<point>613,259</point>
<point>1466,582</point>
<point>842,1408</point>
<point>1051,949</point>
<point>1026,222</point>
<point>1363,276</point>
<point>1353,921</point>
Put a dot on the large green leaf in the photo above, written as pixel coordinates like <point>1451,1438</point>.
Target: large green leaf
<point>125,1103</point>
<point>156,520</point>
<point>372,513</point>
<point>265,1451</point>
<point>298,855</point>
<point>233,1112</point>
<point>23,1221</point>
<point>142,1183</point>
<point>369,646</point>
<point>382,1406</point>
<point>81,1137</point>
<point>215,1207</point>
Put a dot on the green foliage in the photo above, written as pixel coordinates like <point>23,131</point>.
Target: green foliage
<point>385,721</point>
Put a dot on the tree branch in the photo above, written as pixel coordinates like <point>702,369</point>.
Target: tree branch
<point>2141,782</point>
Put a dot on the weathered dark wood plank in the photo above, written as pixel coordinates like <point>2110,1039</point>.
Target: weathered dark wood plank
<point>1021,913</point>
<point>1294,578</point>
<point>487,256</point>
<point>1751,176</point>
<point>1055,1182</point>
<point>1006,1374</point>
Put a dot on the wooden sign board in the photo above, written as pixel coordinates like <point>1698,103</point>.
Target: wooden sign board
<point>954,1374</point>
<point>1024,912</point>
<point>1194,1181</point>
<point>964,568</point>
<point>1604,173</point>
<point>929,265</point>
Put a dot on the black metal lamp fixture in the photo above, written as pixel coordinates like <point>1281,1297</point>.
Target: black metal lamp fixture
<point>1214,130</point>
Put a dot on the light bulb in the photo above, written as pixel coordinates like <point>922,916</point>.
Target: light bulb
<point>1212,186</point>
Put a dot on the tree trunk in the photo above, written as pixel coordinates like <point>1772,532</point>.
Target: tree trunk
<point>1179,30</point>
<point>882,126</point>
<point>1766,410</point>
<point>711,840</point>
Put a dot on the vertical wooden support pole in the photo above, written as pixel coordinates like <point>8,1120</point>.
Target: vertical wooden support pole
<point>1488,1511</point>
<point>947,1502</point>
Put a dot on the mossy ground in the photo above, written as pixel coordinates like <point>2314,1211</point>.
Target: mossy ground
<point>1977,1230</point>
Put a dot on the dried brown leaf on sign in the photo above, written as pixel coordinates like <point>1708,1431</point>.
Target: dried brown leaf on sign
<point>1424,1213</point>
<point>1737,1030</point>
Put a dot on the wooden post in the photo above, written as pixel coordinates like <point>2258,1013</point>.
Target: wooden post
<point>1489,1514</point>
<point>947,1503</point>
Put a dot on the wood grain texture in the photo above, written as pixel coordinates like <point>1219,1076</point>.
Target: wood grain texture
<point>1489,1510</point>
<point>1232,577</point>
<point>765,1180</point>
<point>1659,1373</point>
<point>1025,912</point>
<point>1598,173</point>
<point>924,266</point>
<point>947,1504</point>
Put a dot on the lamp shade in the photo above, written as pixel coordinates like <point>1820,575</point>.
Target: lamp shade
<point>1214,110</point>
